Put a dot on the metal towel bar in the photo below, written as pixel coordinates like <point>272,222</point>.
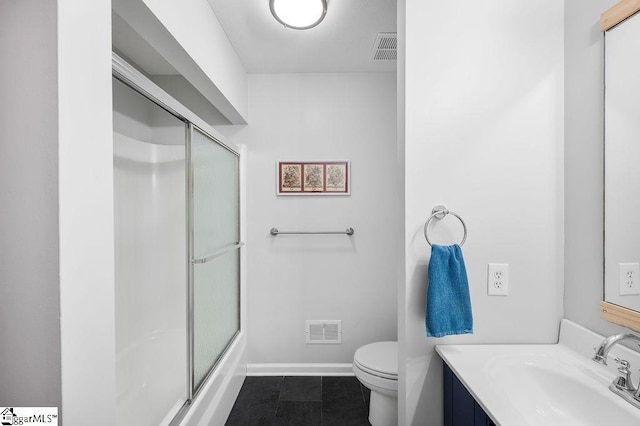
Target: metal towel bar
<point>275,231</point>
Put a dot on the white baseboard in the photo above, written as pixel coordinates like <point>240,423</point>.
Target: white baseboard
<point>329,369</point>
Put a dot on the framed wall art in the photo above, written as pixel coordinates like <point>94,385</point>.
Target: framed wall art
<point>313,177</point>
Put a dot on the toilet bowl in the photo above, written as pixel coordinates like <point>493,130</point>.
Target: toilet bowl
<point>376,366</point>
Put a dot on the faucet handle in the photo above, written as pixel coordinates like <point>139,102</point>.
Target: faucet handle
<point>624,381</point>
<point>624,364</point>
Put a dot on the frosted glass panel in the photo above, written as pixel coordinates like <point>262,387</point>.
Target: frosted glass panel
<point>215,195</point>
<point>216,310</point>
<point>216,290</point>
<point>149,169</point>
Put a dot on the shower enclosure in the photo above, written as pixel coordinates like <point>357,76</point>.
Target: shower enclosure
<point>177,232</point>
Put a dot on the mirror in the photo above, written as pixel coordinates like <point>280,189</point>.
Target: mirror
<point>622,172</point>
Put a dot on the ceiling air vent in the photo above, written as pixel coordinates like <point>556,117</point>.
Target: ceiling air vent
<point>385,47</point>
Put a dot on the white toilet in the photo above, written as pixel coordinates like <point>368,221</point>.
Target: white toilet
<point>376,366</point>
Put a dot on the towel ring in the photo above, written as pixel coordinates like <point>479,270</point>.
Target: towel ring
<point>440,212</point>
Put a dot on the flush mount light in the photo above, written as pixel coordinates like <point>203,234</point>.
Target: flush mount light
<point>298,14</point>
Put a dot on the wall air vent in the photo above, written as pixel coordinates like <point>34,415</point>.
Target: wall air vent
<point>385,48</point>
<point>324,331</point>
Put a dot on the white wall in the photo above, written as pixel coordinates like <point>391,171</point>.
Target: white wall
<point>484,132</point>
<point>584,59</point>
<point>86,212</point>
<point>29,273</point>
<point>296,278</point>
<point>58,144</point>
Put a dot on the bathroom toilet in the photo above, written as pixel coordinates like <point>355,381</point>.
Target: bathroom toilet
<point>376,366</point>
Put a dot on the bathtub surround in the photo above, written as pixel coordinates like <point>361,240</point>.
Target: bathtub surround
<point>157,182</point>
<point>150,222</point>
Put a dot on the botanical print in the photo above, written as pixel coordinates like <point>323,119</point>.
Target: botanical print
<point>313,177</point>
<point>336,177</point>
<point>291,178</point>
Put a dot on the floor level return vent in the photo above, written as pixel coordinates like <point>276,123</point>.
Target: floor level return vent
<point>324,331</point>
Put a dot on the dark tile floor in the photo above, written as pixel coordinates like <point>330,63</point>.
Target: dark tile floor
<point>301,401</point>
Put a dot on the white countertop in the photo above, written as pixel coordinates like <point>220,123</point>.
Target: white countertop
<point>553,384</point>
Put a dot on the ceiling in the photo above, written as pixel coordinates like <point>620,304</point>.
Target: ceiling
<point>343,42</point>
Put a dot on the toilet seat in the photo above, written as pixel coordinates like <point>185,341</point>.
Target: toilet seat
<point>378,359</point>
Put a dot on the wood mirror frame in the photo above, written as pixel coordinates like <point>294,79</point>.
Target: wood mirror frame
<point>609,311</point>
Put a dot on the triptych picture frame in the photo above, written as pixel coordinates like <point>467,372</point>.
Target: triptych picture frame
<point>313,178</point>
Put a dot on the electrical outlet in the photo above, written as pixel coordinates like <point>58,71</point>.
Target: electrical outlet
<point>498,279</point>
<point>629,278</point>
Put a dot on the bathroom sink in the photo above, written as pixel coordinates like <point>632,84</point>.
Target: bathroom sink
<point>554,390</point>
<point>554,384</point>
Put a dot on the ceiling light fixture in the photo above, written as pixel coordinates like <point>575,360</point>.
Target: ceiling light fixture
<point>298,14</point>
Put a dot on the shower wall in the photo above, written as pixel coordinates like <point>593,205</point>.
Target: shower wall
<point>150,240</point>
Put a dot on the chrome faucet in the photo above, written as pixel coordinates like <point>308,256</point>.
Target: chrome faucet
<point>622,385</point>
<point>609,342</point>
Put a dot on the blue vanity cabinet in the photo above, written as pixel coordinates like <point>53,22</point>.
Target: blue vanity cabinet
<point>460,409</point>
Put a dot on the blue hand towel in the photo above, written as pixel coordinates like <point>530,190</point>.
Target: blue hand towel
<point>448,301</point>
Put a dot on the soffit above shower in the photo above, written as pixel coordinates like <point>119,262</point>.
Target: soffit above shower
<point>171,39</point>
<point>341,43</point>
<point>128,43</point>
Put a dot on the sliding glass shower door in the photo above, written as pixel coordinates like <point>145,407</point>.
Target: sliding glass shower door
<point>177,257</point>
<point>214,251</point>
<point>149,169</point>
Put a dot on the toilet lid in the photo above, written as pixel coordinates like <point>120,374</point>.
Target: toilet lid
<point>379,359</point>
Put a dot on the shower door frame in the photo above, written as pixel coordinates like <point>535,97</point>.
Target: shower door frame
<point>127,74</point>
<point>192,262</point>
